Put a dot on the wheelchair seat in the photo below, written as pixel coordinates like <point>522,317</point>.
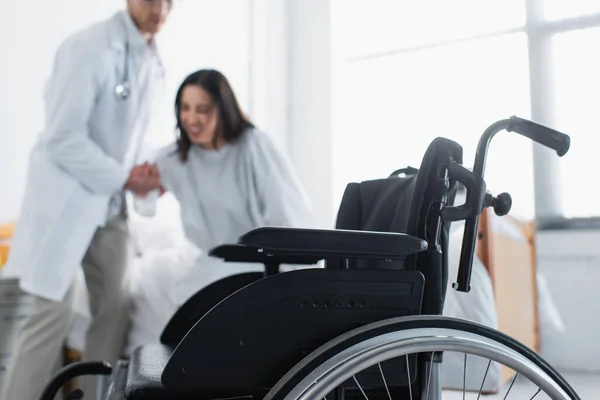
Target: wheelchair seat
<point>144,372</point>
<point>140,378</point>
<point>118,383</point>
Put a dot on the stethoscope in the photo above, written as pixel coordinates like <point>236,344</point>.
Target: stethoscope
<point>123,89</point>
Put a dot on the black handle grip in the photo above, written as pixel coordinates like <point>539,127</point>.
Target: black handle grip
<point>539,133</point>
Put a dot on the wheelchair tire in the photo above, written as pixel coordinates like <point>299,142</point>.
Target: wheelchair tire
<point>335,347</point>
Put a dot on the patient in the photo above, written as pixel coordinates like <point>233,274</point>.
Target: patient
<point>227,175</point>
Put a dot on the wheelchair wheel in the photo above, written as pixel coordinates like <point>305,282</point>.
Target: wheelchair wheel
<point>338,362</point>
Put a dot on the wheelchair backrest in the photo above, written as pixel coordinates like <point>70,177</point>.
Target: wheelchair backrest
<point>407,204</point>
<point>380,205</point>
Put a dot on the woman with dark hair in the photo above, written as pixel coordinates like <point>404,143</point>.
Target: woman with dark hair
<point>208,113</point>
<point>227,175</point>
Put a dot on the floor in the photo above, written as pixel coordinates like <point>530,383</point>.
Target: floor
<point>587,387</point>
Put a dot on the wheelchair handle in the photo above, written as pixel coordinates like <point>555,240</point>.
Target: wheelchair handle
<point>538,133</point>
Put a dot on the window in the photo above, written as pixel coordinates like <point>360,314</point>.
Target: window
<point>562,9</point>
<point>389,108</point>
<point>405,74</point>
<point>380,26</point>
<point>577,88</point>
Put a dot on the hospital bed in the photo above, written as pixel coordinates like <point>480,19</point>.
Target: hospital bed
<point>316,333</point>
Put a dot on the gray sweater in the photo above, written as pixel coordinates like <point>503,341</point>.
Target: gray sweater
<point>227,192</point>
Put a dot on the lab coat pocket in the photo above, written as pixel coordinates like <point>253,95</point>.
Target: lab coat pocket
<point>48,189</point>
<point>30,233</point>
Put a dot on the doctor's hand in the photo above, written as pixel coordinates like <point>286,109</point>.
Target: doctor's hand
<point>143,179</point>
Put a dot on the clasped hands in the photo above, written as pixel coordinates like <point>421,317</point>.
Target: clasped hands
<point>144,178</point>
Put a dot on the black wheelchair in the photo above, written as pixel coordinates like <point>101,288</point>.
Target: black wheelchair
<point>367,325</point>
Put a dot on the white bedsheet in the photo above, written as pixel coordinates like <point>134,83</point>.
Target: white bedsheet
<point>478,306</point>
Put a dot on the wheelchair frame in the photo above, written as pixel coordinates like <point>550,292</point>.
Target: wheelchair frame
<point>216,354</point>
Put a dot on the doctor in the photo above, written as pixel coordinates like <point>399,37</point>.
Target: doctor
<point>97,102</point>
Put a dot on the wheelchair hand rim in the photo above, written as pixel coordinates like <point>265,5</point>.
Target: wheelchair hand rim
<point>357,358</point>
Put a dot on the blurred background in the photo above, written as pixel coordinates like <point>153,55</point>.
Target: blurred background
<point>355,89</point>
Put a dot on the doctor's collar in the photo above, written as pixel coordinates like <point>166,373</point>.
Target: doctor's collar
<point>134,37</point>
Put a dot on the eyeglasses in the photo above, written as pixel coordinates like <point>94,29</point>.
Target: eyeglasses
<point>169,2</point>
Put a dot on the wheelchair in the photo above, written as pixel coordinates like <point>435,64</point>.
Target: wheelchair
<point>367,325</point>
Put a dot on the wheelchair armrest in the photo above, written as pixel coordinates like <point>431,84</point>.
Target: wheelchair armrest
<point>335,243</point>
<point>248,254</point>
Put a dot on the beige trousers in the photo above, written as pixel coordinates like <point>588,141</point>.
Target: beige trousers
<point>43,335</point>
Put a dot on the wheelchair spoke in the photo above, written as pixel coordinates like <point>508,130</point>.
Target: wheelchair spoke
<point>360,387</point>
<point>511,385</point>
<point>429,380</point>
<point>384,381</point>
<point>465,378</point>
<point>484,376</point>
<point>409,383</point>
<point>536,393</point>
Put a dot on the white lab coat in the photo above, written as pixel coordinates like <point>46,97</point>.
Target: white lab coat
<point>79,160</point>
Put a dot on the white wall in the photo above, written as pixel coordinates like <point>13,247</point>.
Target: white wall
<point>199,34</point>
<point>269,67</point>
<point>310,100</point>
<point>291,89</point>
<point>570,263</point>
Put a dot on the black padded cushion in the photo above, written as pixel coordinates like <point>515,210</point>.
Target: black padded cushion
<point>333,243</point>
<point>145,368</point>
<point>241,253</point>
<point>376,205</point>
<point>144,378</point>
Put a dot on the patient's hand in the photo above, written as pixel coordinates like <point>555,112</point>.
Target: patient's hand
<point>143,179</point>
